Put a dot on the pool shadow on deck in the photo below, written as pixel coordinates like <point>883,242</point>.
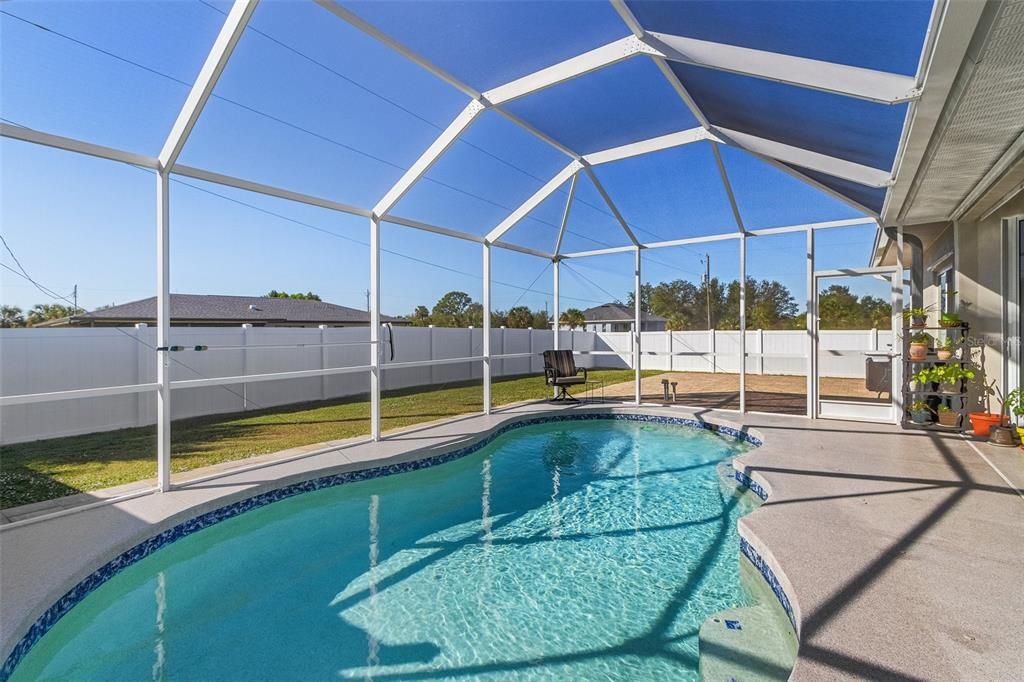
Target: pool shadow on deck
<point>819,618</point>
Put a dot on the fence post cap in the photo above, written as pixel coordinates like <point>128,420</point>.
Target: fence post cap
<point>246,325</point>
<point>141,325</point>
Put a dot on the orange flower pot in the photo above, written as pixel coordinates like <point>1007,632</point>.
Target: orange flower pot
<point>981,422</point>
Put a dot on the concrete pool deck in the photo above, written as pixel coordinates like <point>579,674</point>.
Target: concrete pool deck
<point>902,552</point>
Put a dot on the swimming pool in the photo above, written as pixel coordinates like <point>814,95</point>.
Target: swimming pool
<point>569,550</point>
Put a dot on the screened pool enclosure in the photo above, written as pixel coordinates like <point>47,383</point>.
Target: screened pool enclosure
<point>757,136</point>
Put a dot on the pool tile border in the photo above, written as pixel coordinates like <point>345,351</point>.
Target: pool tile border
<point>140,551</point>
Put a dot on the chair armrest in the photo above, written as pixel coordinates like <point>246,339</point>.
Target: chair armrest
<point>584,370</point>
<point>549,375</point>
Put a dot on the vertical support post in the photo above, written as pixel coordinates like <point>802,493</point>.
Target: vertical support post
<point>636,329</point>
<point>556,277</point>
<point>897,324</point>
<point>557,302</point>
<point>760,351</point>
<point>713,349</point>
<point>375,328</point>
<point>812,331</point>
<point>323,360</point>
<point>487,328</point>
<point>743,322</point>
<point>245,364</point>
<point>163,330</point>
<point>142,358</point>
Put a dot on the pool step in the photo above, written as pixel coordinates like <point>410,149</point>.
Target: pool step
<point>746,644</point>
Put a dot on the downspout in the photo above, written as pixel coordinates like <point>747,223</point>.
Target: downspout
<point>916,265</point>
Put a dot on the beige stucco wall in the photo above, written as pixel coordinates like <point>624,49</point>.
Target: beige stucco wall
<point>980,271</point>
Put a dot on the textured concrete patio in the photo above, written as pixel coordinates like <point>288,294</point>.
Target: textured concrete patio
<point>901,552</point>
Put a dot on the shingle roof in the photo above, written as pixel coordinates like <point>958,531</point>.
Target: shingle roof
<point>617,312</point>
<point>236,308</point>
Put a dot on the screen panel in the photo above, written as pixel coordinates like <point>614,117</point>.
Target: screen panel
<point>487,44</point>
<point>619,104</point>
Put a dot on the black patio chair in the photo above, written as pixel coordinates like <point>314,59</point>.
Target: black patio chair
<point>561,372</point>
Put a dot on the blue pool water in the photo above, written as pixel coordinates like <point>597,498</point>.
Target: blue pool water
<point>572,550</point>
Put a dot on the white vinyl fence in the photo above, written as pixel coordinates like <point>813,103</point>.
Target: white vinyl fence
<point>49,360</point>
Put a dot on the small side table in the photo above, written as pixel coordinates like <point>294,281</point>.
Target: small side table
<point>590,389</point>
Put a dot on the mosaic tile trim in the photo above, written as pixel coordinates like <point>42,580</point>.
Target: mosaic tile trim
<point>769,577</point>
<point>147,547</point>
<point>750,484</point>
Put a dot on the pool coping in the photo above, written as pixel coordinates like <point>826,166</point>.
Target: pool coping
<point>78,584</point>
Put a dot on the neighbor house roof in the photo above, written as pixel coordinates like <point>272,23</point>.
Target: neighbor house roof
<point>201,308</point>
<point>617,312</point>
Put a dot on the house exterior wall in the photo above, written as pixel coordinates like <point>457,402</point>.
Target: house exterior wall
<point>981,262</point>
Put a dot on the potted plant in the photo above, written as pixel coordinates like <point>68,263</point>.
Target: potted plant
<point>919,344</point>
<point>1014,404</point>
<point>920,413</point>
<point>982,422</point>
<point>1003,433</point>
<point>949,320</point>
<point>951,375</point>
<point>947,417</point>
<point>944,349</point>
<point>918,317</point>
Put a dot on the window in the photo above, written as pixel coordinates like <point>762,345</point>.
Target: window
<point>947,295</point>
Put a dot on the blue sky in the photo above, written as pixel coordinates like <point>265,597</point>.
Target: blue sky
<point>342,120</point>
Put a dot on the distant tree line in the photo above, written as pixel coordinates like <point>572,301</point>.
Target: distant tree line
<point>458,309</point>
<point>308,296</point>
<point>769,305</point>
<point>13,316</point>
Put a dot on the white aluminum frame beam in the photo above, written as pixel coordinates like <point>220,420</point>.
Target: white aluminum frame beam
<point>486,324</point>
<point>375,350</point>
<point>847,222</point>
<point>429,157</point>
<point>267,190</point>
<point>637,328</point>
<point>230,33</point>
<point>565,219</point>
<point>728,187</point>
<point>540,195</point>
<point>839,79</point>
<point>649,146</point>
<point>574,67</point>
<point>72,145</point>
<point>805,158</point>
<point>611,205</point>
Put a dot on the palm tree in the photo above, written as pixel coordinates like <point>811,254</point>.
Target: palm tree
<point>11,316</point>
<point>41,312</point>
<point>572,318</point>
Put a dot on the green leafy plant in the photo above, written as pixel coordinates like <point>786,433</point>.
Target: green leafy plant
<point>919,406</point>
<point>945,344</point>
<point>917,316</point>
<point>945,408</point>
<point>1013,403</point>
<point>945,375</point>
<point>949,320</point>
<point>921,337</point>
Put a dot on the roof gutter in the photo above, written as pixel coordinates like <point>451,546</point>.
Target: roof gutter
<point>916,263</point>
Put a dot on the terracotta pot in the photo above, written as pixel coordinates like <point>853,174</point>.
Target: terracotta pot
<point>918,351</point>
<point>944,354</point>
<point>948,417</point>
<point>981,422</point>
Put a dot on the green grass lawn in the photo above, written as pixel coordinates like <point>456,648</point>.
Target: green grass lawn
<point>42,470</point>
